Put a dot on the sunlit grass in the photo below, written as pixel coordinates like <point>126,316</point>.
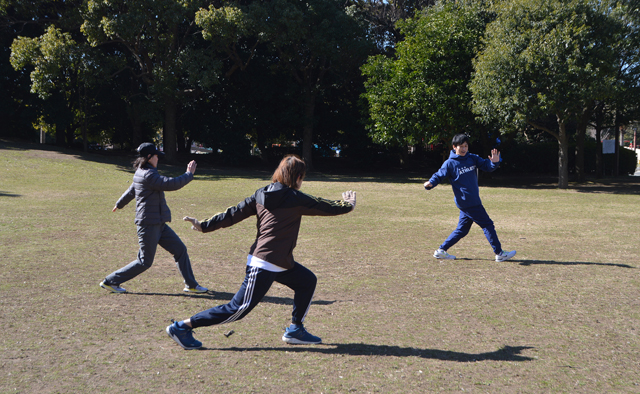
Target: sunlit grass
<point>562,316</point>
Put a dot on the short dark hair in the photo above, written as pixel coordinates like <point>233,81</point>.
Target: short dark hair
<point>460,139</point>
<point>290,169</point>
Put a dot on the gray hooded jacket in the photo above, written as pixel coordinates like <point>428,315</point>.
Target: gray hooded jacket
<point>148,188</point>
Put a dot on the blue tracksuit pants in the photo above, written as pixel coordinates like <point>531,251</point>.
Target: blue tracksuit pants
<point>254,287</point>
<point>468,216</point>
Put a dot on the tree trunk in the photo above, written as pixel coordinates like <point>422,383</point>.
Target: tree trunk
<point>616,165</point>
<point>85,144</point>
<point>307,129</point>
<point>71,134</point>
<point>136,125</point>
<point>598,152</point>
<point>581,132</point>
<point>60,136</point>
<point>169,131</point>
<point>83,125</point>
<point>563,156</point>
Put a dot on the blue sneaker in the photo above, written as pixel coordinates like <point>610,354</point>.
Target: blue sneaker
<point>299,336</point>
<point>183,336</point>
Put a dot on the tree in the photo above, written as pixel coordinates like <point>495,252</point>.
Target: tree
<point>158,43</point>
<point>544,57</point>
<point>60,67</point>
<point>382,17</point>
<point>308,40</point>
<point>422,94</point>
<point>20,108</point>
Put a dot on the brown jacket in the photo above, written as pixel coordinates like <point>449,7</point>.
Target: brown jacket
<point>279,210</point>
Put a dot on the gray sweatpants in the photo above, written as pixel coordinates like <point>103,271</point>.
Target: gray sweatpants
<point>149,237</point>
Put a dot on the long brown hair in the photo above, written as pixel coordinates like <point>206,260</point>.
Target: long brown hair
<point>140,162</point>
<point>291,167</point>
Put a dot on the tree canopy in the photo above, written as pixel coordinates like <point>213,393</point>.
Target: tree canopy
<point>548,57</point>
<point>421,94</point>
<point>370,77</point>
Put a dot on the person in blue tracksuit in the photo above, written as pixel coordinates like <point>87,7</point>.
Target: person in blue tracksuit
<point>461,169</point>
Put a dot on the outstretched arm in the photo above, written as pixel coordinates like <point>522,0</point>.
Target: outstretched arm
<point>227,218</point>
<point>126,197</point>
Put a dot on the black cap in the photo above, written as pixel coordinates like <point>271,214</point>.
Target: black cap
<point>147,148</point>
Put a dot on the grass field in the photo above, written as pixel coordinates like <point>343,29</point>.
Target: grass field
<point>563,316</point>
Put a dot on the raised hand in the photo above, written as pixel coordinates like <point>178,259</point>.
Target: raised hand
<point>495,156</point>
<point>350,197</point>
<point>191,167</point>
<point>195,223</point>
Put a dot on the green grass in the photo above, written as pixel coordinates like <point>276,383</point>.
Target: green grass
<point>563,316</point>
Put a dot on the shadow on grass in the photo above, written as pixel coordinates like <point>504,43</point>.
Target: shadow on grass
<point>549,262</point>
<point>623,184</point>
<point>507,353</point>
<point>7,194</point>
<point>223,296</point>
<point>210,172</point>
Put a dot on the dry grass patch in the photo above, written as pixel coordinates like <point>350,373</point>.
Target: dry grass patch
<point>563,316</point>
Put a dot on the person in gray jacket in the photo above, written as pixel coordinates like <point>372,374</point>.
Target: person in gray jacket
<point>152,216</point>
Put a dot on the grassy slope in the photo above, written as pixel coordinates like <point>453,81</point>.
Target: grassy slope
<point>562,317</point>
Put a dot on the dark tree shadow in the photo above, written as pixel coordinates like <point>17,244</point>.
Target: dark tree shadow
<point>213,172</point>
<point>622,184</point>
<point>549,262</point>
<point>224,296</point>
<point>507,353</point>
<point>7,194</point>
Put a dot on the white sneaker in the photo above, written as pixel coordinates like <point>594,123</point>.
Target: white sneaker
<point>504,256</point>
<point>442,254</point>
<point>197,289</point>
<point>112,288</point>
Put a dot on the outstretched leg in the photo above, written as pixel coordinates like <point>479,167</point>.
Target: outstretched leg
<point>464,225</point>
<point>254,287</point>
<point>148,237</point>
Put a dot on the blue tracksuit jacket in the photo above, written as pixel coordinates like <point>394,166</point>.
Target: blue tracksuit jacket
<point>461,171</point>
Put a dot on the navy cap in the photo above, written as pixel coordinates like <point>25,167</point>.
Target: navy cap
<point>147,148</point>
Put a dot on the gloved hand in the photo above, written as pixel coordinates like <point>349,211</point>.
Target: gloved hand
<point>350,197</point>
<point>195,223</point>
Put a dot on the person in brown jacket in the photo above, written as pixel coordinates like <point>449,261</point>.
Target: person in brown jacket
<point>279,208</point>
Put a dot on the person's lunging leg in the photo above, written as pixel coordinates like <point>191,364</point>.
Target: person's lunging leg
<point>303,282</point>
